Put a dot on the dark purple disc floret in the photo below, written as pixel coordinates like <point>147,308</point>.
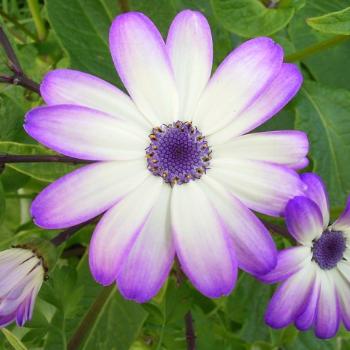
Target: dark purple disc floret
<point>328,250</point>
<point>178,152</point>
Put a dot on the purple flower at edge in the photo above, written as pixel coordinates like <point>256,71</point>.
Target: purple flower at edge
<point>315,275</point>
<point>174,172</point>
<point>21,276</point>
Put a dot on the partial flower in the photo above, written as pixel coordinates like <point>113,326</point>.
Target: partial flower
<point>315,275</point>
<point>174,172</point>
<point>21,276</point>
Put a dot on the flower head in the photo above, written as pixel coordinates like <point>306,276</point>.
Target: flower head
<point>315,274</point>
<point>174,172</point>
<point>21,276</point>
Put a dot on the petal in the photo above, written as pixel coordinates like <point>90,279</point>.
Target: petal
<point>261,186</point>
<point>237,82</point>
<point>275,96</point>
<point>307,318</point>
<point>289,299</point>
<point>342,287</point>
<point>202,245</point>
<point>327,315</point>
<point>190,49</point>
<point>71,87</point>
<point>289,261</point>
<point>118,229</point>
<point>244,228</point>
<point>140,57</point>
<point>151,257</point>
<point>343,222</point>
<point>281,147</point>
<point>84,133</point>
<point>304,220</point>
<point>86,193</point>
<point>317,192</point>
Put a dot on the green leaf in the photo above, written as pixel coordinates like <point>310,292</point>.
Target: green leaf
<point>13,340</point>
<point>82,27</point>
<point>38,171</point>
<point>2,203</point>
<point>96,318</point>
<point>246,306</point>
<point>330,66</point>
<point>250,18</point>
<point>323,113</point>
<point>337,22</point>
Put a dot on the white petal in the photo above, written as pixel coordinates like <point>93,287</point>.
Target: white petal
<point>147,265</point>
<point>281,147</point>
<point>140,57</point>
<point>66,86</point>
<point>202,245</point>
<point>274,97</point>
<point>261,186</point>
<point>118,229</point>
<point>237,82</point>
<point>86,193</point>
<point>190,50</point>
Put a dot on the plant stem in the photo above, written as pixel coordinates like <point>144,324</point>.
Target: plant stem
<point>18,78</point>
<point>38,21</point>
<point>124,5</point>
<point>89,319</point>
<point>190,333</point>
<point>311,50</point>
<point>23,81</point>
<point>274,228</point>
<point>18,25</point>
<point>12,158</point>
<point>66,234</point>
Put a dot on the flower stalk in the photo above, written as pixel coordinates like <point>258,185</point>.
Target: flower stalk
<point>14,158</point>
<point>18,77</point>
<point>313,49</point>
<point>38,21</point>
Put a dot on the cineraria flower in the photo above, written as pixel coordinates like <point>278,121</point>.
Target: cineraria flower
<point>21,276</point>
<point>174,172</point>
<point>316,274</point>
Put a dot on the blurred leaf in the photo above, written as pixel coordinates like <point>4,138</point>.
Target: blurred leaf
<point>82,28</point>
<point>99,318</point>
<point>331,66</point>
<point>308,341</point>
<point>250,18</point>
<point>13,340</point>
<point>39,171</point>
<point>247,305</point>
<point>337,22</point>
<point>2,203</point>
<point>324,113</point>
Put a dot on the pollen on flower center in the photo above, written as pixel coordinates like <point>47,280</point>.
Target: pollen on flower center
<point>328,250</point>
<point>178,152</point>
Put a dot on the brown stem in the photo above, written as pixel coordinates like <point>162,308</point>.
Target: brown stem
<point>66,234</point>
<point>90,318</point>
<point>18,78</point>
<point>14,158</point>
<point>124,5</point>
<point>190,333</point>
<point>274,228</point>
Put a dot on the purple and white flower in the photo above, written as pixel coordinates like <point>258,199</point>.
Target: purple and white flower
<point>21,276</point>
<point>174,172</point>
<point>315,274</point>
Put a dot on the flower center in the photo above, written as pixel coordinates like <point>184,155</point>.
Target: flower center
<point>178,152</point>
<point>328,250</point>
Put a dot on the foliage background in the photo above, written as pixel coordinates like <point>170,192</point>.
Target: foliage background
<point>72,308</point>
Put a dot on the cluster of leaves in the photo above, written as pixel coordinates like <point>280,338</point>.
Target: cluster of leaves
<point>72,311</point>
